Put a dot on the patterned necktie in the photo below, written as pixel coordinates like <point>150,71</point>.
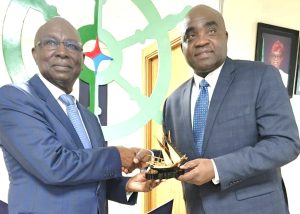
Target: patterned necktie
<point>73,114</point>
<point>200,114</point>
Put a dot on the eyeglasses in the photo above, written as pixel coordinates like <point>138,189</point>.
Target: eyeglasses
<point>276,56</point>
<point>52,44</point>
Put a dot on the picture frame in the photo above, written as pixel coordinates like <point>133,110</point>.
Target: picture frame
<point>297,82</point>
<point>278,46</point>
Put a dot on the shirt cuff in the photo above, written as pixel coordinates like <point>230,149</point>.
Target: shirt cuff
<point>128,195</point>
<point>152,153</point>
<point>216,179</point>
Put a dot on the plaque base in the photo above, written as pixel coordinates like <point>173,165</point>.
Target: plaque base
<point>164,173</point>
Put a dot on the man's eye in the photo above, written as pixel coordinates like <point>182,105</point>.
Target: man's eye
<point>189,37</point>
<point>72,46</point>
<point>50,42</point>
<point>212,31</point>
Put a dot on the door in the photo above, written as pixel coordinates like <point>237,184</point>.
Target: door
<point>170,189</point>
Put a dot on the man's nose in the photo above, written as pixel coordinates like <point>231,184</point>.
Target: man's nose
<point>201,39</point>
<point>61,48</point>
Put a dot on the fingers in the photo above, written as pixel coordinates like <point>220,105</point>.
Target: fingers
<point>125,170</point>
<point>132,158</point>
<point>126,156</point>
<point>198,172</point>
<point>139,183</point>
<point>187,176</point>
<point>142,156</point>
<point>190,168</point>
<point>190,164</point>
<point>153,184</point>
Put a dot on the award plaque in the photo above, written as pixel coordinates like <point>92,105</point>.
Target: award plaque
<point>167,166</point>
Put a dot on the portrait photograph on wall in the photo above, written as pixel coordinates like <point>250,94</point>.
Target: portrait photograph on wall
<point>278,46</point>
<point>297,83</point>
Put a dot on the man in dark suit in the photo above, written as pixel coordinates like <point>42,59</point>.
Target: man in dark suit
<point>250,129</point>
<point>50,170</point>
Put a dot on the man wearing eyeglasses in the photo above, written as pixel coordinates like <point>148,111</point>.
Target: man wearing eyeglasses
<point>51,170</point>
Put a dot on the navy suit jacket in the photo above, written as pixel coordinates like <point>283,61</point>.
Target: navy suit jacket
<point>250,133</point>
<point>49,170</point>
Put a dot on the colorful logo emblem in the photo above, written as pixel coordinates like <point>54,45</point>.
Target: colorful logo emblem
<point>157,29</point>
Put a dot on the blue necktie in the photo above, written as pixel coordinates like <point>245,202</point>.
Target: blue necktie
<point>73,114</point>
<point>200,114</point>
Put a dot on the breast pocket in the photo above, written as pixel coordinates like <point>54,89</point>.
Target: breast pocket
<point>233,113</point>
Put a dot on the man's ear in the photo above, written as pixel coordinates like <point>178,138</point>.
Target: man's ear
<point>33,52</point>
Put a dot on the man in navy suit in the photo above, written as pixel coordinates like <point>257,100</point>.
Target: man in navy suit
<point>50,170</point>
<point>250,128</point>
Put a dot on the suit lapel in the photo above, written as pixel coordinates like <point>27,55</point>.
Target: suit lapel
<point>44,94</point>
<point>88,125</point>
<point>186,108</point>
<point>223,83</point>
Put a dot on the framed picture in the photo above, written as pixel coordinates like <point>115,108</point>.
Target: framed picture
<point>297,84</point>
<point>278,46</point>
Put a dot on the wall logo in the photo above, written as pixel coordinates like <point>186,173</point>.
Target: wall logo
<point>157,28</point>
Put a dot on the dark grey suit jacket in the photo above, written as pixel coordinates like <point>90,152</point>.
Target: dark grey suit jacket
<point>49,170</point>
<point>250,133</point>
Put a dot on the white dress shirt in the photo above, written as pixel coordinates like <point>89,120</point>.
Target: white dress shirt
<point>211,79</point>
<point>57,92</point>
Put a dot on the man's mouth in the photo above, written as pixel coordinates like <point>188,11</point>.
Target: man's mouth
<point>61,66</point>
<point>203,54</point>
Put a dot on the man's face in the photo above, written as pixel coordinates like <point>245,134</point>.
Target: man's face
<point>60,63</point>
<point>204,41</point>
<point>276,58</point>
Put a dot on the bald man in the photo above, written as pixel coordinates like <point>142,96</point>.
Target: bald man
<point>249,127</point>
<point>51,169</point>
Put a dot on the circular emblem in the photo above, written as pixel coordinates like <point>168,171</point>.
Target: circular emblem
<point>157,29</point>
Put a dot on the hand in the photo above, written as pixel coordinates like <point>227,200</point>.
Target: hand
<point>139,183</point>
<point>142,157</point>
<point>127,155</point>
<point>199,171</point>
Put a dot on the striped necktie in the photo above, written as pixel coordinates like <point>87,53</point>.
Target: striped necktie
<point>200,114</point>
<point>73,114</point>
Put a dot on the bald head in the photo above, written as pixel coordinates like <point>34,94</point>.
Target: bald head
<point>57,24</point>
<point>203,11</point>
<point>204,39</point>
<point>58,53</point>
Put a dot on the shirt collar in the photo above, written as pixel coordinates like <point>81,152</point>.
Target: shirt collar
<point>55,91</point>
<point>211,78</point>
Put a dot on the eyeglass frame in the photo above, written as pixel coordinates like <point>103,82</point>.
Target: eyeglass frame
<point>44,43</point>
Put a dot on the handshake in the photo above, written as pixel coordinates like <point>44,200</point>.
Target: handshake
<point>133,158</point>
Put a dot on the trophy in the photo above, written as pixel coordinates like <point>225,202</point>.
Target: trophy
<point>167,166</point>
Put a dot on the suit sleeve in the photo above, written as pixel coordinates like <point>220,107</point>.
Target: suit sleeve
<point>277,135</point>
<point>116,191</point>
<point>32,141</point>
